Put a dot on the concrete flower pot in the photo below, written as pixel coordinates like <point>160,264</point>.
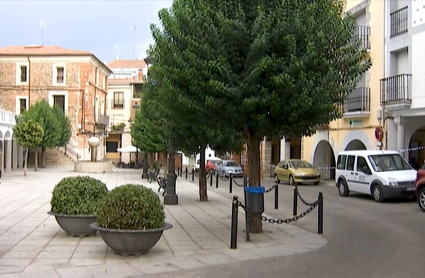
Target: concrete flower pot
<point>130,242</point>
<point>76,225</point>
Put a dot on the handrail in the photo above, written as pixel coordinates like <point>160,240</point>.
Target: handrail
<point>72,151</point>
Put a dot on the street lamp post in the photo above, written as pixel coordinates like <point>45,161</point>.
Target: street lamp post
<point>171,197</point>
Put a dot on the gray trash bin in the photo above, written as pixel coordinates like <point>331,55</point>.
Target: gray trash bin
<point>255,199</point>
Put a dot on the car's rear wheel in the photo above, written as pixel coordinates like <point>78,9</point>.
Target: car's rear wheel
<point>343,188</point>
<point>276,178</point>
<point>421,199</point>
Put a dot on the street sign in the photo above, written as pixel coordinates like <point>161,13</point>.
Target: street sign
<point>356,122</point>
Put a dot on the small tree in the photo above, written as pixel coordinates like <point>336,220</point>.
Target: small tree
<point>29,134</point>
<point>65,126</point>
<point>42,113</point>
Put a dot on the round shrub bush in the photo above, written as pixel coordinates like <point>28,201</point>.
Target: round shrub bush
<point>131,207</point>
<point>79,195</point>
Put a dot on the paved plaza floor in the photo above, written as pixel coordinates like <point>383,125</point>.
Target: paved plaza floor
<point>33,245</point>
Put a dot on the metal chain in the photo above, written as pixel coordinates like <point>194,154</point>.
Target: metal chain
<point>235,182</point>
<point>242,206</point>
<point>271,188</point>
<point>302,200</point>
<point>289,220</point>
<point>224,178</point>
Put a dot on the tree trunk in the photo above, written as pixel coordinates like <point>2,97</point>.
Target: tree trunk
<point>253,143</point>
<point>43,157</point>
<point>26,162</point>
<point>166,166</point>
<point>150,161</point>
<point>203,196</point>
<point>35,160</point>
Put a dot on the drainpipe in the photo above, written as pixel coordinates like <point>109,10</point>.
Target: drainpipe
<point>29,81</point>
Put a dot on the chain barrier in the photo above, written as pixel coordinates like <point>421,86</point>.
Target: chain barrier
<point>224,178</point>
<point>302,200</point>
<point>291,219</point>
<point>238,184</point>
<point>271,188</point>
<point>242,206</point>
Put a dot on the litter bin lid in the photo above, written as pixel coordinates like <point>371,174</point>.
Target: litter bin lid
<point>255,189</point>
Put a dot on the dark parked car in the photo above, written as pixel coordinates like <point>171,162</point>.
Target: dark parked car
<point>420,187</point>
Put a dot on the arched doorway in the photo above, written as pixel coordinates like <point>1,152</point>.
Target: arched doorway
<point>324,160</point>
<point>355,145</point>
<point>417,154</point>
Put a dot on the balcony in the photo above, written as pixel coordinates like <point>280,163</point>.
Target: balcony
<point>7,117</point>
<point>396,91</point>
<point>102,120</point>
<point>358,103</point>
<point>399,21</point>
<point>362,33</point>
<point>115,104</point>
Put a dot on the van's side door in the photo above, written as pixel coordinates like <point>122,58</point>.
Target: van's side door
<point>350,173</point>
<point>363,179</point>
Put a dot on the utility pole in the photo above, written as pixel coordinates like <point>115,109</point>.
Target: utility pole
<point>42,25</point>
<point>134,41</point>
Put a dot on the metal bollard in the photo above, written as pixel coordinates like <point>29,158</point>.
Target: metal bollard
<point>234,225</point>
<point>276,197</point>
<point>231,184</point>
<point>186,172</point>
<point>211,179</point>
<point>320,214</point>
<point>295,203</point>
<point>247,231</point>
<point>193,174</point>
<point>181,172</point>
<point>216,180</point>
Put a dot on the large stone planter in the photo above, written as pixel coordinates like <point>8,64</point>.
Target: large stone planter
<point>131,242</point>
<point>76,225</point>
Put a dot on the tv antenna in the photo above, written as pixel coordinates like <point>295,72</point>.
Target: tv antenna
<point>134,41</point>
<point>42,25</point>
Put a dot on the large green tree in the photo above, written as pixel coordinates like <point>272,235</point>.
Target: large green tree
<point>191,105</point>
<point>273,67</point>
<point>65,126</point>
<point>29,134</point>
<point>43,113</point>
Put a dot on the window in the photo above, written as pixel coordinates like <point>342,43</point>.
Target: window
<point>21,104</point>
<point>111,147</point>
<point>118,101</point>
<point>361,163</point>
<point>350,162</point>
<point>388,162</point>
<point>59,100</point>
<point>22,73</point>
<point>341,162</point>
<point>59,75</point>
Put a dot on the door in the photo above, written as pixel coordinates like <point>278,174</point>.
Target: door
<point>350,173</point>
<point>363,180</point>
<point>59,101</point>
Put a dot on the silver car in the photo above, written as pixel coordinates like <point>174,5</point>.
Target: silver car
<point>226,168</point>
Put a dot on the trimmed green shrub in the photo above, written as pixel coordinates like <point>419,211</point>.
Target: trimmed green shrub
<point>131,207</point>
<point>79,195</point>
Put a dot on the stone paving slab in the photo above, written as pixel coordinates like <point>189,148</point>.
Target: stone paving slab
<point>33,245</point>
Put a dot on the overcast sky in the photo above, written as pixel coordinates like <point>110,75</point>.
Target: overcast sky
<point>104,28</point>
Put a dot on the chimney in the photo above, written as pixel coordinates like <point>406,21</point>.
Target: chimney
<point>140,76</point>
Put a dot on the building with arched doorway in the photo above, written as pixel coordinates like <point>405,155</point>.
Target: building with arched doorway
<point>356,129</point>
<point>11,153</point>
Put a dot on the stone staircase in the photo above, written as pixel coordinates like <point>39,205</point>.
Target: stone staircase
<point>54,158</point>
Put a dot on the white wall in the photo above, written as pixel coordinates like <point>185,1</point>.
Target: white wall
<point>418,70</point>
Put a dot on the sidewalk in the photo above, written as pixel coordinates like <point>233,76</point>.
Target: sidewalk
<point>33,245</point>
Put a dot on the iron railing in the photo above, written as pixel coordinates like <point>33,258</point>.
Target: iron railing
<point>358,101</point>
<point>396,88</point>
<point>117,104</point>
<point>399,21</point>
<point>102,119</point>
<point>7,117</point>
<point>362,33</point>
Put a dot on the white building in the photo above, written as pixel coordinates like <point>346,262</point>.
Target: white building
<point>403,86</point>
<point>11,153</point>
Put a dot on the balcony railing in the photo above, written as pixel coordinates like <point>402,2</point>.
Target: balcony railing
<point>362,33</point>
<point>102,120</point>
<point>399,21</point>
<point>117,104</point>
<point>396,88</point>
<point>7,117</point>
<point>358,101</point>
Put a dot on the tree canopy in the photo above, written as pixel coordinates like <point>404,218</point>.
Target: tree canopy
<point>263,67</point>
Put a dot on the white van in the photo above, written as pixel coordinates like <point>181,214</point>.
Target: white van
<point>382,174</point>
